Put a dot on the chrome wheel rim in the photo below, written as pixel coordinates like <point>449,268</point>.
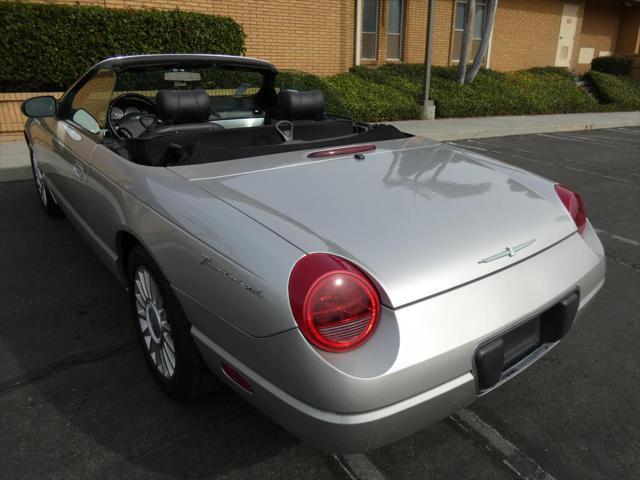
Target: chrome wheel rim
<point>152,318</point>
<point>42,190</point>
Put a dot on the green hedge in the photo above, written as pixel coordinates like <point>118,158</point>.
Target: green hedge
<point>371,102</point>
<point>296,80</point>
<point>405,80</point>
<point>534,91</point>
<point>612,65</point>
<point>355,97</point>
<point>47,47</point>
<point>394,92</point>
<point>619,93</point>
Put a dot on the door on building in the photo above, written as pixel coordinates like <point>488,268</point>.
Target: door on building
<point>567,36</point>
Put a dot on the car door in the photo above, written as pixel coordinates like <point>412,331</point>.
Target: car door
<point>76,132</point>
<point>72,152</point>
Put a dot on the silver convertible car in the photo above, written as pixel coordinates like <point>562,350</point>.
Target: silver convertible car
<point>353,282</point>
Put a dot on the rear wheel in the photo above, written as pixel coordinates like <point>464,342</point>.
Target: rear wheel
<point>164,331</point>
<point>47,202</point>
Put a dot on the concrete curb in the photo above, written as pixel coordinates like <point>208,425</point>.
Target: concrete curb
<point>575,127</point>
<point>15,165</point>
<point>485,127</point>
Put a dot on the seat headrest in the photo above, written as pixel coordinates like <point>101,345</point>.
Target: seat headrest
<point>295,105</point>
<point>183,106</point>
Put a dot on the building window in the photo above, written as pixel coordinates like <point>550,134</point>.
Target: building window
<point>478,24</point>
<point>394,30</point>
<point>369,29</point>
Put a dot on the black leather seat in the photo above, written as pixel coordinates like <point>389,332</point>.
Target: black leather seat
<point>182,111</point>
<point>295,105</point>
<point>183,106</point>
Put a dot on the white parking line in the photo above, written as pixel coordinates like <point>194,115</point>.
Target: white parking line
<point>358,467</point>
<point>577,138</point>
<point>514,458</point>
<point>627,131</point>
<point>613,236</point>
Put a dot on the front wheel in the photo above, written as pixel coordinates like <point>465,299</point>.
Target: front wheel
<point>163,330</point>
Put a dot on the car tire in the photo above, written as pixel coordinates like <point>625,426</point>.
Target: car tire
<point>164,331</point>
<point>47,202</point>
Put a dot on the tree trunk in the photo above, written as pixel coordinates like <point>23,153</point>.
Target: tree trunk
<point>484,42</point>
<point>469,10</point>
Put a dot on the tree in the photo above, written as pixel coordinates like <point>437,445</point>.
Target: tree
<point>469,12</point>
<point>492,6</point>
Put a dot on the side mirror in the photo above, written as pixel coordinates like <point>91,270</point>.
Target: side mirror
<point>39,107</point>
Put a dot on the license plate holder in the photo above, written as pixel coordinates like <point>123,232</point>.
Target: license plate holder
<point>503,355</point>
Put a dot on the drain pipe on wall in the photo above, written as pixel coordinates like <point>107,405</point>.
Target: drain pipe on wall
<point>358,30</point>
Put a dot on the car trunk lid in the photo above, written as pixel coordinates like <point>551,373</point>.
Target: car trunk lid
<point>419,217</point>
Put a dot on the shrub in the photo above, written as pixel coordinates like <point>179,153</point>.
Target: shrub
<point>621,93</point>
<point>371,102</point>
<point>296,80</point>
<point>556,70</point>
<point>47,47</point>
<point>355,97</point>
<point>538,90</point>
<point>549,91</point>
<point>395,78</point>
<point>612,65</point>
<point>523,92</point>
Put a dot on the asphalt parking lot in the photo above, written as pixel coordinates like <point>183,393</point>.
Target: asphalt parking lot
<point>76,400</point>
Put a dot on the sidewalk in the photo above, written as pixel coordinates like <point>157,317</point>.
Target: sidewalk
<point>14,156</point>
<point>14,161</point>
<point>482,127</point>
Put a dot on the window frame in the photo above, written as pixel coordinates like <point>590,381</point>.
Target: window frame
<point>376,33</point>
<point>66,110</point>
<point>455,30</point>
<point>400,34</point>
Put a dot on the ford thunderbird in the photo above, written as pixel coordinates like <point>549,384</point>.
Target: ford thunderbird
<point>354,282</point>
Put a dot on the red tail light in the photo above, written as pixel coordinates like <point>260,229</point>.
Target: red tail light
<point>574,205</point>
<point>334,303</point>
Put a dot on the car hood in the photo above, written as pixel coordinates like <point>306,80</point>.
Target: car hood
<point>419,217</point>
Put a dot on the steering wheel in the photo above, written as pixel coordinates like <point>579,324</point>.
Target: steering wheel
<point>132,124</point>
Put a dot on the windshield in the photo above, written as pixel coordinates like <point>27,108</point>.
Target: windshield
<point>217,81</point>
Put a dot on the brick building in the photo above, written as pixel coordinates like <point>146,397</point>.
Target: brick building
<point>330,36</point>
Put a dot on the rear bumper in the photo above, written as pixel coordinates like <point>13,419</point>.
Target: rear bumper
<point>348,433</point>
<point>435,343</point>
<point>359,432</point>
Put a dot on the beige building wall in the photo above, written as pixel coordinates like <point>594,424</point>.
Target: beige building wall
<point>415,31</point>
<point>629,33</point>
<point>525,34</point>
<point>318,36</point>
<point>599,32</point>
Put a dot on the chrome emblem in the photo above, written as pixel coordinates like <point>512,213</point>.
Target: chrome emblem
<point>508,252</point>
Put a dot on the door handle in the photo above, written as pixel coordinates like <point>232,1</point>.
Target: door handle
<point>73,135</point>
<point>77,169</point>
